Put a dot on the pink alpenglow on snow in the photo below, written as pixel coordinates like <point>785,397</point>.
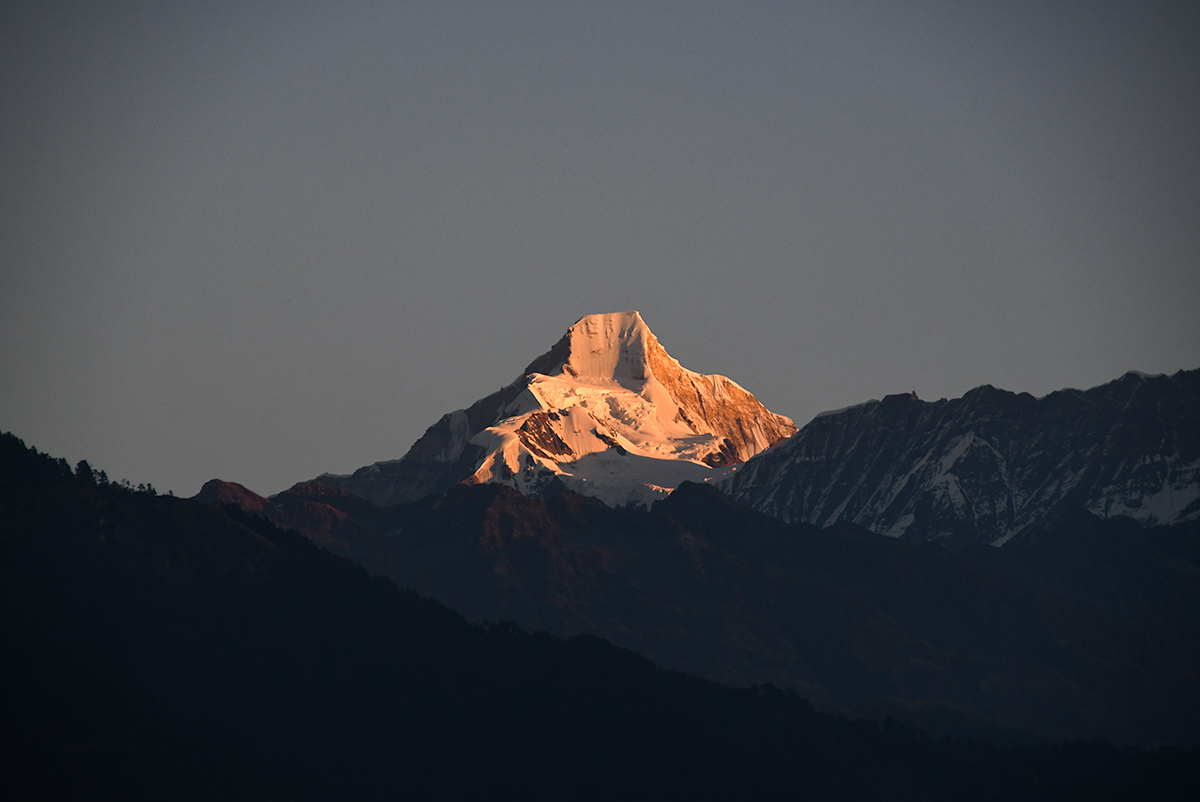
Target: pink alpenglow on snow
<point>606,412</point>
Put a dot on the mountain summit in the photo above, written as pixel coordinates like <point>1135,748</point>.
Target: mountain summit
<point>606,412</point>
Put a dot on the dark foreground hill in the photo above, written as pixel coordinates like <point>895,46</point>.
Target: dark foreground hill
<point>1086,628</point>
<point>156,647</point>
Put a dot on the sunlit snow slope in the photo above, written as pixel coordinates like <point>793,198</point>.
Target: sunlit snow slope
<point>606,412</point>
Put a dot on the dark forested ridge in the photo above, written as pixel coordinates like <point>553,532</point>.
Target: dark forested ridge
<point>157,647</point>
<point>1084,628</point>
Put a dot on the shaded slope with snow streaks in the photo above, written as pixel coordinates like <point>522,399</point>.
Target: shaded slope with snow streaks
<point>989,465</point>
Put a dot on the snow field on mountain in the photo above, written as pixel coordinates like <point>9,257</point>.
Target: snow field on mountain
<point>617,432</point>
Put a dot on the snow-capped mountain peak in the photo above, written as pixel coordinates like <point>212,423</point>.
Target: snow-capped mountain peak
<point>606,412</point>
<point>609,347</point>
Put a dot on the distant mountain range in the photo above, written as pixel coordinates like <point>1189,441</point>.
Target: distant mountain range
<point>608,413</point>
<point>158,643</point>
<point>550,503</point>
<point>990,466</point>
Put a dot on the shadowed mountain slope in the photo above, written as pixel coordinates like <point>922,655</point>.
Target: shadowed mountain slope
<point>1088,629</point>
<point>990,466</point>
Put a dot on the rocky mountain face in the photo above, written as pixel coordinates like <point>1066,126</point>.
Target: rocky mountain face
<point>990,466</point>
<point>606,412</point>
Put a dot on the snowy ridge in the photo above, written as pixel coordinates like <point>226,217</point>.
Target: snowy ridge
<point>606,412</point>
<point>990,465</point>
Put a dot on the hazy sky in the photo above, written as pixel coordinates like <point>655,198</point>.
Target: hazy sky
<point>259,241</point>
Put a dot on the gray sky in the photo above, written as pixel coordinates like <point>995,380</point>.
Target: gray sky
<point>259,241</point>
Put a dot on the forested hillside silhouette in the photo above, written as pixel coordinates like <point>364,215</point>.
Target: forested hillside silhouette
<point>1085,628</point>
<point>159,647</point>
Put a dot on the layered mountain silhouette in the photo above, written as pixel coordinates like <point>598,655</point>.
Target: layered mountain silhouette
<point>606,412</point>
<point>610,496</point>
<point>158,648</point>
<point>548,503</point>
<point>990,466</point>
<point>1086,630</point>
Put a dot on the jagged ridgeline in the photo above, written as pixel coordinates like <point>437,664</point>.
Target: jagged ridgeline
<point>606,412</point>
<point>160,648</point>
<point>990,466</point>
